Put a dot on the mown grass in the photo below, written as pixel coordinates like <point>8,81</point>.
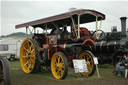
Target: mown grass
<point>45,77</point>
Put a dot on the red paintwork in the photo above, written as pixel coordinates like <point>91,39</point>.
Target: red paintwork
<point>51,43</point>
<point>84,34</point>
<point>88,42</point>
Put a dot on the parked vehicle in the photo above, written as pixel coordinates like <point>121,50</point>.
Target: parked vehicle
<point>10,48</point>
<point>59,47</point>
<point>110,47</point>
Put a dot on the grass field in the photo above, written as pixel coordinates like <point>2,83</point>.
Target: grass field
<point>45,77</point>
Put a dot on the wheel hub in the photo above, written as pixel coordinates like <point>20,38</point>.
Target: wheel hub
<point>59,65</point>
<point>28,56</point>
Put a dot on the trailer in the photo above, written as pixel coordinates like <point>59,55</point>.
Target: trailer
<point>10,48</point>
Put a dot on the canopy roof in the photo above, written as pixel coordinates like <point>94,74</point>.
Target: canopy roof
<point>86,16</point>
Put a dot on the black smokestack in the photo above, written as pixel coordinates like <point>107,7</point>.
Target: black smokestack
<point>123,25</point>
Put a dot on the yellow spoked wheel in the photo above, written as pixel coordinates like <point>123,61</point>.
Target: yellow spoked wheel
<point>88,56</point>
<point>28,56</point>
<point>59,65</point>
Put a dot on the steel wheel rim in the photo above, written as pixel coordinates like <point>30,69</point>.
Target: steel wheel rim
<point>27,56</point>
<point>57,66</point>
<point>89,62</point>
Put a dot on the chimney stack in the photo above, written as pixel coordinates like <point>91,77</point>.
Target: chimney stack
<point>123,25</point>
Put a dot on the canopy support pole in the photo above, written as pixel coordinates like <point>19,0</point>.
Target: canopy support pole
<point>96,27</point>
<point>27,32</point>
<point>34,30</point>
<point>46,33</point>
<point>78,27</point>
<point>100,25</point>
<point>74,26</point>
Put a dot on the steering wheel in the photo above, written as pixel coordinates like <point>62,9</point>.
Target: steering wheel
<point>100,34</point>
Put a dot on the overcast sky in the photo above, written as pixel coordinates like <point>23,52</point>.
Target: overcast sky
<point>17,12</point>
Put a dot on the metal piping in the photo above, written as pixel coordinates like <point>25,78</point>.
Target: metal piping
<point>123,25</point>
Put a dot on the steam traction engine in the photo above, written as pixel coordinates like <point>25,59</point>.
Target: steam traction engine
<point>62,41</point>
<point>112,46</point>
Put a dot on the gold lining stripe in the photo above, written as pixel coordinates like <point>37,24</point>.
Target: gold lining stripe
<point>64,45</point>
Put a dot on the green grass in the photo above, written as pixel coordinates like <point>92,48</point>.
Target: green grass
<point>45,77</point>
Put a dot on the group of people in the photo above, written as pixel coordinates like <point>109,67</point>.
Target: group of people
<point>121,66</point>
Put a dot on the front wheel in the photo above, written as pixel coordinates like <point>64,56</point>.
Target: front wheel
<point>29,53</point>
<point>59,65</point>
<point>88,56</point>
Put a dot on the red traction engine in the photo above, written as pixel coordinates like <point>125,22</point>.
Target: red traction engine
<point>62,41</point>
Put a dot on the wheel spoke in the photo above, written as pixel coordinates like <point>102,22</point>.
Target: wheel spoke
<point>30,48</point>
<point>29,66</point>
<point>57,73</point>
<point>26,49</point>
<point>32,56</point>
<point>89,68</point>
<point>28,44</point>
<point>59,59</point>
<point>31,60</point>
<point>32,51</point>
<point>87,58</point>
<point>26,63</point>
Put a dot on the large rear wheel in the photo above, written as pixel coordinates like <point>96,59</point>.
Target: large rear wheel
<point>59,65</point>
<point>4,72</point>
<point>88,56</point>
<point>29,53</point>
